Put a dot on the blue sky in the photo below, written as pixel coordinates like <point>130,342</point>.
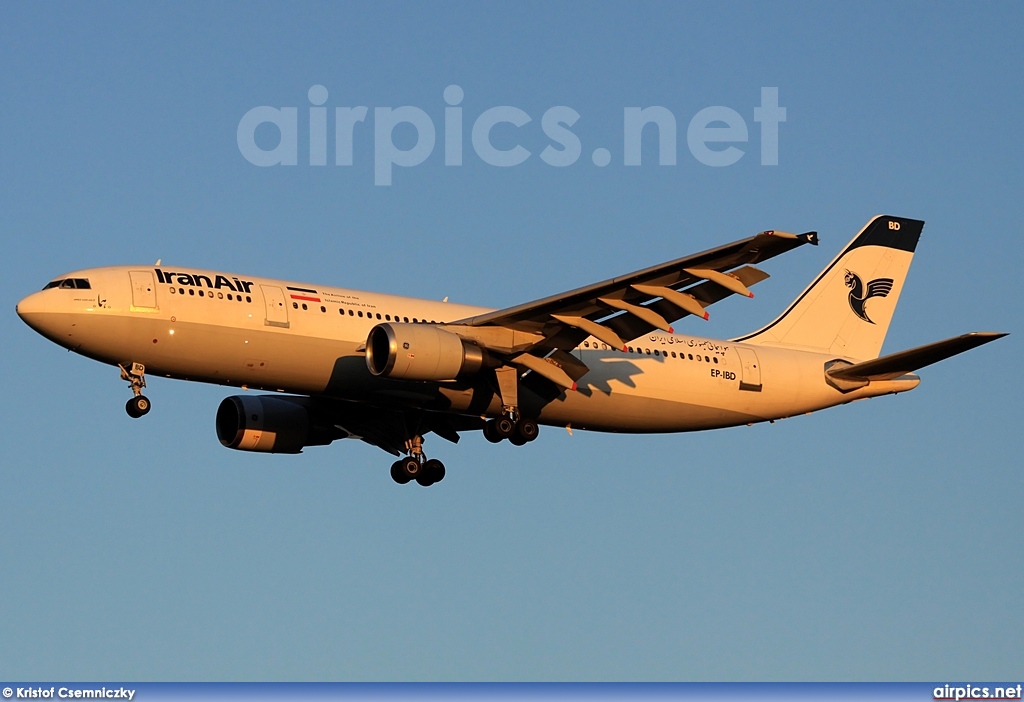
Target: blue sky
<point>881,540</point>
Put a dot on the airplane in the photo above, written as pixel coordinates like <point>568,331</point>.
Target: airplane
<point>389,370</point>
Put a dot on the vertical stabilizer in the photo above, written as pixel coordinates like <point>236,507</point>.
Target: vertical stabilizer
<point>847,309</point>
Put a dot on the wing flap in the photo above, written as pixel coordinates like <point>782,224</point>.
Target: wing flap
<point>596,330</point>
<point>546,368</point>
<point>729,282</point>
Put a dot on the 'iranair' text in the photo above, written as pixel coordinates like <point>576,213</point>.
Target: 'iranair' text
<point>197,280</point>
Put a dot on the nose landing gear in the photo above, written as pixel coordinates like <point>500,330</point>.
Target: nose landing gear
<point>139,404</point>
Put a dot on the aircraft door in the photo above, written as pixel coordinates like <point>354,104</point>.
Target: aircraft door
<point>750,377</point>
<point>277,308</point>
<point>143,290</point>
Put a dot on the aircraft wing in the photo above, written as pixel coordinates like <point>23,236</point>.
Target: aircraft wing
<point>388,429</point>
<point>539,334</point>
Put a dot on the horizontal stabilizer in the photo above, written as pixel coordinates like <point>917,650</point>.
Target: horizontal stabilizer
<point>898,364</point>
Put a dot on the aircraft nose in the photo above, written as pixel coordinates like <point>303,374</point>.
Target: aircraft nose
<point>31,309</point>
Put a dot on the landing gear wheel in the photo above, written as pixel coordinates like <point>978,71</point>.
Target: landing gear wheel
<point>407,469</point>
<point>398,474</point>
<point>527,430</point>
<point>504,427</point>
<point>137,406</point>
<point>433,472</point>
<point>415,466</point>
<point>490,433</point>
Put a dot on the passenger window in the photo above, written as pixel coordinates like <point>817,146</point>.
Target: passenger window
<point>305,306</point>
<point>657,352</point>
<point>191,291</point>
<point>248,298</point>
<point>322,308</point>
<point>406,319</point>
<point>220,296</point>
<point>387,317</point>
<point>181,291</point>
<point>360,313</point>
<point>173,291</point>
<point>648,351</point>
<point>691,356</point>
<point>351,313</point>
<point>716,359</point>
<point>200,293</point>
<point>295,305</point>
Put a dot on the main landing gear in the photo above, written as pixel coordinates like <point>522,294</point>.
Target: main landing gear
<point>136,377</point>
<point>517,430</point>
<point>416,466</point>
<point>510,425</point>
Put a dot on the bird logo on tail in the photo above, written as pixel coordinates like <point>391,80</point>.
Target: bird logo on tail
<point>879,287</point>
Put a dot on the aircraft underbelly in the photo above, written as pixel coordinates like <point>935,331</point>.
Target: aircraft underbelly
<point>622,392</point>
<point>625,392</point>
<point>256,357</point>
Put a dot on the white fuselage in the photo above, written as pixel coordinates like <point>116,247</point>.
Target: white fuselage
<point>300,338</point>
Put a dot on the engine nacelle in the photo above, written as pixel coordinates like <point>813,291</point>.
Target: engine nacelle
<point>421,352</point>
<point>271,424</point>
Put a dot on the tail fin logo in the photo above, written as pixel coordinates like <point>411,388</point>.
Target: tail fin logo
<point>879,287</point>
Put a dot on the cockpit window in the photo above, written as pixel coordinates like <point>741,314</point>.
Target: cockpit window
<point>69,284</point>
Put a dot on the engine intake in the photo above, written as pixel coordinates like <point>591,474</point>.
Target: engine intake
<point>270,424</point>
<point>421,352</point>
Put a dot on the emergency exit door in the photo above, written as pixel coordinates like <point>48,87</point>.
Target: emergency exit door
<point>750,377</point>
<point>143,290</point>
<point>277,309</point>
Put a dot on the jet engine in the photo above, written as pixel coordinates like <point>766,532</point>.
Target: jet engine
<point>421,352</point>
<point>272,424</point>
